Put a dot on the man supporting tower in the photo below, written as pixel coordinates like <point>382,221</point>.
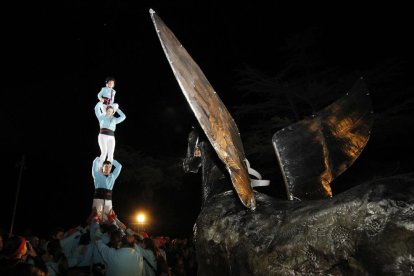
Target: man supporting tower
<point>104,181</point>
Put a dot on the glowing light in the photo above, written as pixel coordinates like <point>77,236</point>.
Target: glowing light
<point>141,218</point>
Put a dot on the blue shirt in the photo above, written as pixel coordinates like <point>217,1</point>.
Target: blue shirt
<point>69,245</point>
<point>108,122</point>
<point>102,181</point>
<point>148,255</point>
<point>84,254</point>
<point>96,256</point>
<point>123,261</point>
<point>106,92</point>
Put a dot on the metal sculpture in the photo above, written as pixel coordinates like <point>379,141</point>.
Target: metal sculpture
<point>366,230</point>
<point>313,152</point>
<point>335,137</point>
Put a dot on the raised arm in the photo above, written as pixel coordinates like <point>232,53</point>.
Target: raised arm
<point>121,116</point>
<point>106,252</point>
<point>98,111</point>
<point>95,167</point>
<point>117,169</point>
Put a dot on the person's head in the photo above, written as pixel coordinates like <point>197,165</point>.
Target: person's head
<point>109,110</point>
<point>34,240</point>
<point>58,233</point>
<point>115,239</point>
<point>108,228</point>
<point>110,82</point>
<point>54,249</point>
<point>159,241</point>
<point>106,167</point>
<point>128,241</point>
<point>138,238</point>
<point>85,238</point>
<point>148,243</point>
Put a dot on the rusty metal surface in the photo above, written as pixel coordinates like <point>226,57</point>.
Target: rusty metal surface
<point>313,152</point>
<point>211,113</point>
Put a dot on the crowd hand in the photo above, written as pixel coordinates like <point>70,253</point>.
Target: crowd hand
<point>122,226</point>
<point>92,216</point>
<point>30,251</point>
<point>111,216</point>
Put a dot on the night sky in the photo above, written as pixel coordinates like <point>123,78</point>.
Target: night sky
<point>56,57</point>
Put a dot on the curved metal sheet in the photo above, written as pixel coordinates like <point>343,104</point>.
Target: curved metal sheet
<point>312,153</point>
<point>211,113</point>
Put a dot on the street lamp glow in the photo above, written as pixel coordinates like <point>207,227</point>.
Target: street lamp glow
<point>141,218</point>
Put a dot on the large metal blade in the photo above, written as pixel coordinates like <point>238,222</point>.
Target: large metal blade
<point>312,153</point>
<point>211,113</point>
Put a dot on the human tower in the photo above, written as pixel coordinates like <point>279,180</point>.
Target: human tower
<point>105,169</point>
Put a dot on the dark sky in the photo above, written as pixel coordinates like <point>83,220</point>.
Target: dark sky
<point>57,56</point>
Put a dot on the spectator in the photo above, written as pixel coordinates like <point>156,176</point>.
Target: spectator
<point>14,260</point>
<point>56,261</point>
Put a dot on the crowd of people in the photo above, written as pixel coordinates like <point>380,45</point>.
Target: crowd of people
<point>96,249</point>
<point>103,245</point>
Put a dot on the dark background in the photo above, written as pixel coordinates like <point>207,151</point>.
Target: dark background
<point>56,56</point>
